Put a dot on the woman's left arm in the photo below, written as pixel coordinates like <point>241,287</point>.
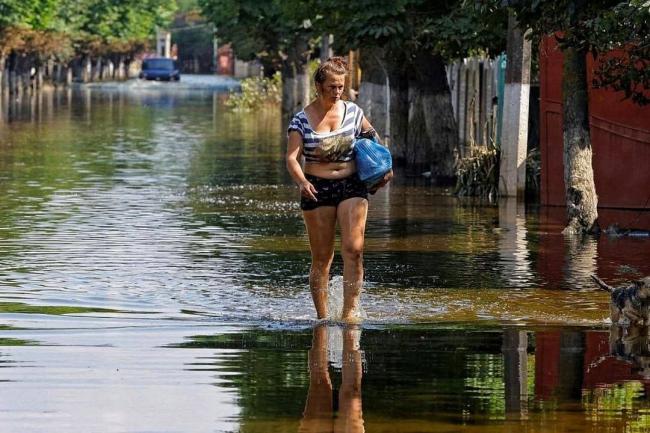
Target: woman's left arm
<point>367,131</point>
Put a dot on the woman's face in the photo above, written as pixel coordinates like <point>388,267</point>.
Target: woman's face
<point>332,88</point>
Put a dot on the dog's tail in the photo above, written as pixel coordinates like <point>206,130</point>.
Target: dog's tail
<point>602,284</point>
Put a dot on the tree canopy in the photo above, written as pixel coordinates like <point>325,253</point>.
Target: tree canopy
<point>50,27</point>
<point>266,30</point>
<point>451,29</point>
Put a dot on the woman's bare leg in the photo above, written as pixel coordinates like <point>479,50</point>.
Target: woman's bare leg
<point>351,215</point>
<point>321,228</point>
<point>350,419</point>
<point>317,416</point>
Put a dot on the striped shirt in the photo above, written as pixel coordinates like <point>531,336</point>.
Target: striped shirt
<point>333,146</point>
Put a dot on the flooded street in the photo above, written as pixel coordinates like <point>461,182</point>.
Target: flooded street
<point>153,277</point>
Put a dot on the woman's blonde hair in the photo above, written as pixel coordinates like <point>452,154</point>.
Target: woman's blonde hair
<point>336,65</point>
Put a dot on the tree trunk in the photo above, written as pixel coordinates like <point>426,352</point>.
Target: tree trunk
<point>39,78</point>
<point>96,69</point>
<point>126,66</point>
<point>581,197</point>
<point>295,87</point>
<point>12,79</point>
<point>75,66</point>
<point>288,88</point>
<point>393,130</point>
<point>50,74</point>
<point>3,61</point>
<point>107,70</point>
<point>22,72</point>
<point>119,68</point>
<point>80,69</point>
<point>373,90</point>
<point>295,77</point>
<point>423,135</point>
<point>67,70</point>
<point>57,74</point>
<point>432,142</point>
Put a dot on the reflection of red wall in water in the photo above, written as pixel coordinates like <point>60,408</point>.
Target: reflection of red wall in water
<point>547,363</point>
<point>601,368</point>
<point>553,257</point>
<point>620,134</point>
<point>551,249</point>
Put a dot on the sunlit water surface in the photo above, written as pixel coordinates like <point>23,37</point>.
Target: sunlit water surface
<point>153,277</point>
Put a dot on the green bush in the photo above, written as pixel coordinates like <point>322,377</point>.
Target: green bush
<point>256,93</point>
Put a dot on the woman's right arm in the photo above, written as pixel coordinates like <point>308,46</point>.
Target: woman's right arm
<point>293,166</point>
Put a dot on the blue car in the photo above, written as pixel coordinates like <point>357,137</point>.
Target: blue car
<point>160,69</point>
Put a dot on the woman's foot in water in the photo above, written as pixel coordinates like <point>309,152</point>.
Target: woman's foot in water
<point>352,319</point>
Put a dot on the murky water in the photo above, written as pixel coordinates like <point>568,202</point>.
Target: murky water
<point>153,272</point>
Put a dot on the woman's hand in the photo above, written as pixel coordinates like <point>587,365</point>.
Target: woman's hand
<point>387,178</point>
<point>307,190</point>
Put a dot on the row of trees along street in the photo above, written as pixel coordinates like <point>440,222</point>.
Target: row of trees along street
<point>62,40</point>
<point>406,44</point>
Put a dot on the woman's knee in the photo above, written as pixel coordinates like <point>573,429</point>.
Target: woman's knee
<point>352,253</point>
<point>321,262</point>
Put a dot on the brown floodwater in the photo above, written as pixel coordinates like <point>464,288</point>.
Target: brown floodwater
<point>153,277</point>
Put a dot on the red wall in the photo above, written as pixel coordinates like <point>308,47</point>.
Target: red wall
<point>620,134</point>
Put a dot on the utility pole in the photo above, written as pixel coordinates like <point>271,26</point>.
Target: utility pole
<point>215,50</point>
<point>514,137</point>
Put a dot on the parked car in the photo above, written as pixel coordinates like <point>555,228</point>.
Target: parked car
<point>160,69</point>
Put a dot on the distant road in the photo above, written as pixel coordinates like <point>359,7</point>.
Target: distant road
<point>188,82</point>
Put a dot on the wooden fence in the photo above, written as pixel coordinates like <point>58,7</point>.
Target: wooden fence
<point>477,87</point>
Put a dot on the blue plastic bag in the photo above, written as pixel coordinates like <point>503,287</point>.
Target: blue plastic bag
<point>373,161</point>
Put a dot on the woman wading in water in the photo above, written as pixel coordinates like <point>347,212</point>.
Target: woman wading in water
<point>330,188</point>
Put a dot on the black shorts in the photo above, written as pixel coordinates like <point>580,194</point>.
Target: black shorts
<point>331,192</point>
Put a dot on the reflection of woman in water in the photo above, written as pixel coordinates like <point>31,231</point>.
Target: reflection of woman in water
<point>319,408</point>
<point>331,191</point>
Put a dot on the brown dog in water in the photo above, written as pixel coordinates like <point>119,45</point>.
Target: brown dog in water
<point>631,302</point>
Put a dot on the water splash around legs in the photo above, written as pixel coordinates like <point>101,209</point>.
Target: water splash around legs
<point>335,301</point>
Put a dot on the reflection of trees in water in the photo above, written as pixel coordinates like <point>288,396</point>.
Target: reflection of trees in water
<point>266,368</point>
<point>454,375</point>
<point>243,149</point>
<point>581,255</point>
<point>403,368</point>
